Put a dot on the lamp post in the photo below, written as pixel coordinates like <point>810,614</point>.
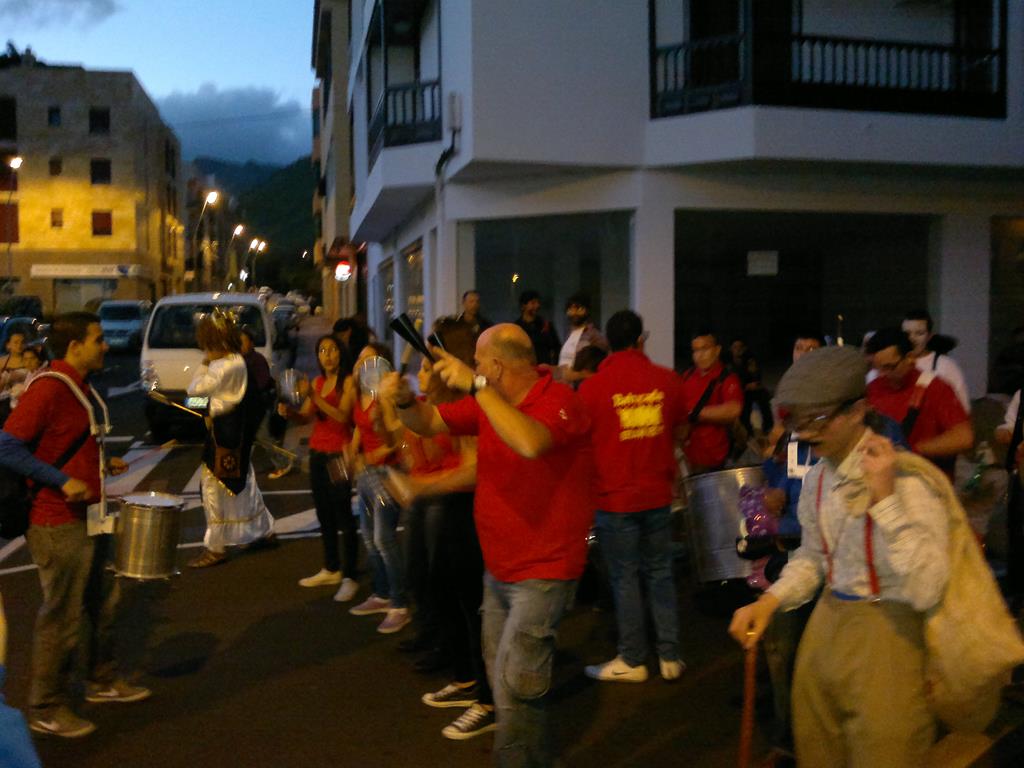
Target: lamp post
<point>232,259</point>
<point>256,247</point>
<point>210,199</point>
<point>14,164</point>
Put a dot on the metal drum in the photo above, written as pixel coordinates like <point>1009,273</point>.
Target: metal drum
<point>713,520</point>
<point>146,535</point>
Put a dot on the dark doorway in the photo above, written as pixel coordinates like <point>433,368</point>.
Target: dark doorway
<point>868,268</point>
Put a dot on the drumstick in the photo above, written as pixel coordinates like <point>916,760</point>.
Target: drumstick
<point>165,447</point>
<point>272,447</point>
<point>747,720</point>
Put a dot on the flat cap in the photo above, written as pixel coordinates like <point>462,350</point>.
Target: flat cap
<point>827,376</point>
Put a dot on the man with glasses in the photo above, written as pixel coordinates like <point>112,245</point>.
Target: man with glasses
<point>878,545</point>
<point>714,401</point>
<point>934,422</point>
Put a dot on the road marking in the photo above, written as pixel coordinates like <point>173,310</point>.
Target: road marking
<point>115,392</point>
<point>118,439</point>
<point>11,547</point>
<point>192,486</point>
<point>130,480</point>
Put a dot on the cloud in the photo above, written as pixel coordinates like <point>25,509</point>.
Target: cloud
<point>238,124</point>
<point>45,12</point>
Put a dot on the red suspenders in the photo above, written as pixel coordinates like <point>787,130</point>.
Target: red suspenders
<point>869,546</point>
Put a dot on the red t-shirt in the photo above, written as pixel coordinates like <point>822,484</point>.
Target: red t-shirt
<point>941,410</point>
<point>49,412</point>
<point>532,515</point>
<point>634,406</point>
<point>708,445</point>
<point>431,454</point>
<point>370,441</point>
<point>328,435</point>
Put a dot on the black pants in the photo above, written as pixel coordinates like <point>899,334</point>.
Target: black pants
<point>334,511</point>
<point>460,586</point>
<point>424,539</point>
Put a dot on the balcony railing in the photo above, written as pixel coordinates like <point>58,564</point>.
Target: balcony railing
<point>405,114</point>
<point>827,73</point>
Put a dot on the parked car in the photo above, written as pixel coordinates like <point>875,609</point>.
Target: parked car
<point>124,323</point>
<point>170,355</point>
<point>30,327</point>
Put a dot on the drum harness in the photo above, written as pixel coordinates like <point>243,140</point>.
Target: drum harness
<point>95,429</point>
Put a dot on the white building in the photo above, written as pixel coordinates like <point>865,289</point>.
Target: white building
<point>756,167</point>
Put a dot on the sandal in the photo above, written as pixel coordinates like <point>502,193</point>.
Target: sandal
<point>208,558</point>
<point>277,474</point>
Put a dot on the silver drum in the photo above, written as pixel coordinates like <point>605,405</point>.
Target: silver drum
<point>146,535</point>
<point>713,521</point>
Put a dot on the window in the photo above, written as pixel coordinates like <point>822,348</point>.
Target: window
<point>8,118</point>
<point>99,170</point>
<point>99,120</point>
<point>174,325</point>
<point>9,223</point>
<point>102,223</point>
<point>56,166</point>
<point>53,117</point>
<point>56,218</point>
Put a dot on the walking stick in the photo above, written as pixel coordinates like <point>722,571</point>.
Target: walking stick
<point>747,720</point>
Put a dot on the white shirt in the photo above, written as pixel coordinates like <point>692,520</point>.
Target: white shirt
<point>1010,420</point>
<point>223,381</point>
<point>568,353</point>
<point>910,539</point>
<point>949,372</point>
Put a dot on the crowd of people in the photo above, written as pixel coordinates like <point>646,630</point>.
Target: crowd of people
<point>507,451</point>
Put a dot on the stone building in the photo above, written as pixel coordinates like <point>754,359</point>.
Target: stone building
<point>93,211</point>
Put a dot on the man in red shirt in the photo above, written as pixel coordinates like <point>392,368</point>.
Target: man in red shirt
<point>709,440</point>
<point>50,422</point>
<point>934,422</point>
<point>635,407</point>
<point>534,506</point>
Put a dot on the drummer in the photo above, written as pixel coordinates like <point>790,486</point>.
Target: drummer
<point>70,563</point>
<point>635,407</point>
<point>714,401</point>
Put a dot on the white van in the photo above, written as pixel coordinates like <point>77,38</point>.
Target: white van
<point>123,323</point>
<point>170,355</point>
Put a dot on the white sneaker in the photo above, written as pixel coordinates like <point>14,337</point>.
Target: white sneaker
<point>347,590</point>
<point>618,671</point>
<point>672,670</point>
<point>322,578</point>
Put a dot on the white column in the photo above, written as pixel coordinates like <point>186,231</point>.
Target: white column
<point>652,276</point>
<point>959,291</point>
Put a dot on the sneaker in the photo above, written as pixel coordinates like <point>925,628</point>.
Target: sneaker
<point>372,604</point>
<point>473,722</point>
<point>671,670</point>
<point>452,696</point>
<point>347,590</point>
<point>322,578</point>
<point>617,670</point>
<point>117,691</point>
<point>62,722</point>
<point>396,619</point>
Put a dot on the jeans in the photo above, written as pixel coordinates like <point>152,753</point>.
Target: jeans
<point>378,524</point>
<point>333,511</point>
<point>74,583</point>
<point>423,541</point>
<point>16,748</point>
<point>636,544</point>
<point>519,632</point>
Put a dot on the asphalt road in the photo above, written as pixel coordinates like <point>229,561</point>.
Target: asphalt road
<point>248,669</point>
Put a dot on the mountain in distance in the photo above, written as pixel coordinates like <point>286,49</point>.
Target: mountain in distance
<point>235,178</point>
<point>279,209</point>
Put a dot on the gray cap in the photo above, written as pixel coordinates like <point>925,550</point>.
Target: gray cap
<point>827,376</point>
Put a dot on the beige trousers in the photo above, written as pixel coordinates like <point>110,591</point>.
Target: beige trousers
<point>858,690</point>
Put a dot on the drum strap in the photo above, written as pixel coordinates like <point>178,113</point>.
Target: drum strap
<point>869,546</point>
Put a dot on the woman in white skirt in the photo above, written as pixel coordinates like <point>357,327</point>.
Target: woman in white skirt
<point>235,512</point>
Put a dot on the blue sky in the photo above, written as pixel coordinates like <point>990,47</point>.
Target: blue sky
<point>206,63</point>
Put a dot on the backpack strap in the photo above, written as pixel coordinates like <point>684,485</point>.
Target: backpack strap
<point>695,413</point>
<point>916,398</point>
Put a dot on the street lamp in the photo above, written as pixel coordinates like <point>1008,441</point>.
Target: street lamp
<point>210,199</point>
<point>232,260</point>
<point>256,247</point>
<point>14,163</point>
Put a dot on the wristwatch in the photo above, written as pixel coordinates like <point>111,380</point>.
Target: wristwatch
<point>479,382</point>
